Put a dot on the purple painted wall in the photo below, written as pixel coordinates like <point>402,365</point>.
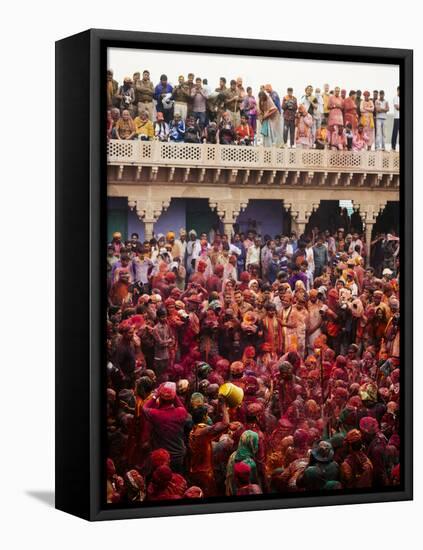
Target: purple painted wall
<point>268,214</point>
<point>135,225</point>
<point>173,219</point>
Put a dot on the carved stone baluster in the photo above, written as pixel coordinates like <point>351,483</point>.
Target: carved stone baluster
<point>259,177</point>
<point>171,173</point>
<point>272,177</point>
<point>233,176</point>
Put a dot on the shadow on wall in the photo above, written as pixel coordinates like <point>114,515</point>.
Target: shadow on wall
<point>46,497</point>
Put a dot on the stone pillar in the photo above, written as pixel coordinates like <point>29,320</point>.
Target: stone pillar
<point>368,229</point>
<point>148,229</point>
<point>369,213</point>
<point>300,214</point>
<point>149,212</point>
<point>228,211</point>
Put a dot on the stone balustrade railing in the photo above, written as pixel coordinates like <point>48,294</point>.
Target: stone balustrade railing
<point>155,153</point>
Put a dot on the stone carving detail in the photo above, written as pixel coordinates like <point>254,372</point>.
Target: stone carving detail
<point>300,213</point>
<point>228,211</point>
<point>148,211</point>
<point>369,212</point>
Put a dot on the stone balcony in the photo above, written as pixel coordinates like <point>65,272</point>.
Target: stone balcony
<point>150,162</point>
<point>150,173</point>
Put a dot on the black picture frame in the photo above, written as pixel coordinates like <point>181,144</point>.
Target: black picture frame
<point>80,233</point>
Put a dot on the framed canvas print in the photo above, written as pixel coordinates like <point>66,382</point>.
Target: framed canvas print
<point>234,274</point>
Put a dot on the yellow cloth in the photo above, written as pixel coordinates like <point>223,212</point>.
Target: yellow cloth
<point>367,119</point>
<point>144,127</point>
<point>326,103</point>
<point>321,134</point>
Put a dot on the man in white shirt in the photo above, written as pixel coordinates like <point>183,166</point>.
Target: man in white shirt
<point>182,243</point>
<point>310,257</point>
<point>382,108</point>
<point>351,284</point>
<point>233,249</point>
<point>141,267</point>
<point>206,87</point>
<point>253,253</point>
<point>193,251</point>
<point>356,241</point>
<point>395,129</point>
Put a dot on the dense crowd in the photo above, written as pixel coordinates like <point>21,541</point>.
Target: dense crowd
<point>251,365</point>
<point>192,112</point>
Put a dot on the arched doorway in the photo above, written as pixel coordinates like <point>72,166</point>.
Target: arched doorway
<point>200,217</point>
<point>333,214</point>
<point>388,220</point>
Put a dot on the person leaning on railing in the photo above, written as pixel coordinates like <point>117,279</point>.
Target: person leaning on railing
<point>244,132</point>
<point>360,139</point>
<point>192,131</point>
<point>125,128</point>
<point>321,136</point>
<point>227,134</point>
<point>211,133</point>
<point>115,117</point>
<point>161,128</point>
<point>143,127</point>
<point>177,129</point>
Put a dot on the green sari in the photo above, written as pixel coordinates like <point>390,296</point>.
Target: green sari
<point>246,452</point>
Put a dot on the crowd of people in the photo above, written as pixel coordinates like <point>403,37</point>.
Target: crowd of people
<point>249,364</point>
<point>192,112</point>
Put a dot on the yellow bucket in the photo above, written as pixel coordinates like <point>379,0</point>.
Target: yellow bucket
<point>232,394</point>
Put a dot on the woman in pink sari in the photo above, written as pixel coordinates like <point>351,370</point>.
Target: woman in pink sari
<point>303,124</point>
<point>336,106</point>
<point>367,120</point>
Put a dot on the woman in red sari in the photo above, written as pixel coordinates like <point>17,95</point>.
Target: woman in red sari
<point>350,110</point>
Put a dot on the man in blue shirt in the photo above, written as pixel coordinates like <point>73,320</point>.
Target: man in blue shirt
<point>177,129</point>
<point>162,89</point>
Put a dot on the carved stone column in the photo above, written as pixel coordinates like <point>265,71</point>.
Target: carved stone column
<point>149,212</point>
<point>300,214</point>
<point>228,211</point>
